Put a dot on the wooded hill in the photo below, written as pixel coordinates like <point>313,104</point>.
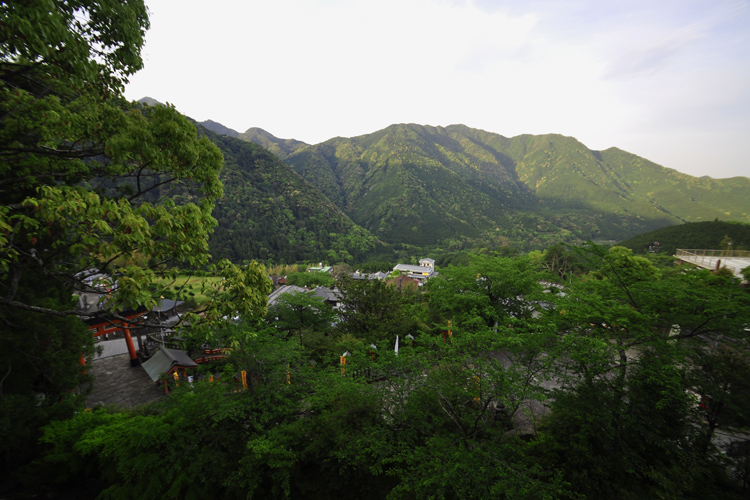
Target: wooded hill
<point>269,212</point>
<point>446,186</point>
<point>437,185</point>
<point>706,235</point>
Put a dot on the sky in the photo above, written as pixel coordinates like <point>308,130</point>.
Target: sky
<point>668,80</point>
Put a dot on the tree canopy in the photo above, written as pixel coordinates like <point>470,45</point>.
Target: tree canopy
<point>90,181</point>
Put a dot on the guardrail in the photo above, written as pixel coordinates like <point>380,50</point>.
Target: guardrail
<point>713,259</point>
<point>714,253</point>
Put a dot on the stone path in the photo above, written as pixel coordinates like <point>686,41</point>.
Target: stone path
<point>112,348</point>
<point>117,383</point>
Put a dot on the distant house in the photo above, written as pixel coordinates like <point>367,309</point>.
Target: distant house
<point>320,268</point>
<point>333,297</point>
<point>424,271</point>
<point>278,281</point>
<point>274,297</point>
<point>380,275</point>
<point>164,314</point>
<point>167,361</point>
<point>92,308</point>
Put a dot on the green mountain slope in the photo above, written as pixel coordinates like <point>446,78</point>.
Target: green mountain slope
<point>219,128</point>
<point>686,197</point>
<point>426,185</point>
<point>410,184</point>
<point>269,212</point>
<point>279,147</point>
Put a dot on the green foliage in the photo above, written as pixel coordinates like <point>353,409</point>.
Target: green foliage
<point>561,262</point>
<point>373,311</point>
<point>692,235</point>
<point>273,440</point>
<point>310,279</point>
<point>269,213</point>
<point>279,147</point>
<point>99,53</point>
<point>88,180</point>
<point>486,293</point>
<point>298,312</point>
<point>625,425</point>
<point>39,368</point>
<point>435,185</point>
<point>85,174</point>
<point>622,358</point>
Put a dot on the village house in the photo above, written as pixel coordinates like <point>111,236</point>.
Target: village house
<point>424,271</point>
<point>320,268</point>
<point>380,275</point>
<point>331,296</point>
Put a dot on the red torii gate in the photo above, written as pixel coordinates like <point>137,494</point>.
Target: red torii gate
<point>106,324</point>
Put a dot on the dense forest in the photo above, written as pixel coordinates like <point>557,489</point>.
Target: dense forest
<point>270,213</point>
<point>451,186</point>
<point>617,385</point>
<point>718,235</point>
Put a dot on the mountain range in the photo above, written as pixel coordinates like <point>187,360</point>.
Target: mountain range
<point>269,212</point>
<point>454,186</point>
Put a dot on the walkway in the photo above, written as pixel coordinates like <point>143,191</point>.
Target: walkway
<point>116,382</point>
<point>112,348</point>
<point>733,260</point>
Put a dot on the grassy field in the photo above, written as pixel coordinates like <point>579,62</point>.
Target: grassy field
<point>188,287</point>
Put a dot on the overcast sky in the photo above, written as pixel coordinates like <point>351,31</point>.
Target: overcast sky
<point>668,80</point>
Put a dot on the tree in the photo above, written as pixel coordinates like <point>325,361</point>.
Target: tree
<point>559,261</point>
<point>372,310</point>
<point>39,366</point>
<point>89,180</point>
<point>633,341</point>
<point>310,279</point>
<point>295,312</point>
<point>486,292</point>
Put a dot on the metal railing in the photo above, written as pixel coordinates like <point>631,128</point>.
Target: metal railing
<point>713,259</point>
<point>714,253</point>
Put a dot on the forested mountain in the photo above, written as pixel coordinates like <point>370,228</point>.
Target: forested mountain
<point>426,185</point>
<point>716,235</point>
<point>269,212</point>
<point>280,147</point>
<point>149,101</point>
<point>457,186</point>
<point>219,128</point>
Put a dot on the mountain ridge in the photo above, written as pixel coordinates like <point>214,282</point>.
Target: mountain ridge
<point>506,178</point>
<point>270,213</point>
<point>455,186</point>
<point>252,130</point>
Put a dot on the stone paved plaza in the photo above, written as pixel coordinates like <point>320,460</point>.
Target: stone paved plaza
<point>117,383</point>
